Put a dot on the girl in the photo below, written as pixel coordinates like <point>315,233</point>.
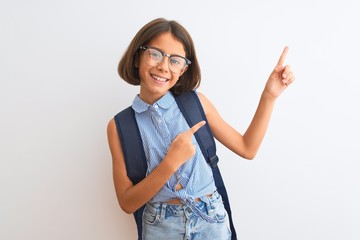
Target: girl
<point>179,186</point>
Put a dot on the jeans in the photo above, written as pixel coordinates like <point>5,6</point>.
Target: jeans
<point>162,221</point>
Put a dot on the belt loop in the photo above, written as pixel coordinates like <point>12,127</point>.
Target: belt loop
<point>207,203</point>
<point>163,210</point>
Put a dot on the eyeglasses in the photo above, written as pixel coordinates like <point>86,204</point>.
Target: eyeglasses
<point>154,57</point>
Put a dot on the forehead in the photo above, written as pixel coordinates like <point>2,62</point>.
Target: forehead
<point>168,43</point>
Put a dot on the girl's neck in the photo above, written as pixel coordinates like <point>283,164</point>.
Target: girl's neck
<point>151,98</point>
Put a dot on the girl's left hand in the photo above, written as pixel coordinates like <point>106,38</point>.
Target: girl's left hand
<point>280,78</point>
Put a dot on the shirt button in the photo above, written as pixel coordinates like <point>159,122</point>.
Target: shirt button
<point>189,210</point>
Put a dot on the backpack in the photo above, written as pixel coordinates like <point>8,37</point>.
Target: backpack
<point>134,155</point>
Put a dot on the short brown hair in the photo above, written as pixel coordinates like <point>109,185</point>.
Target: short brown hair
<point>128,71</point>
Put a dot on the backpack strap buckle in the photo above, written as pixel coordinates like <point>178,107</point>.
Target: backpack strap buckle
<point>213,161</point>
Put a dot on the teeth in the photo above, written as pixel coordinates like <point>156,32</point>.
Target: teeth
<point>159,78</point>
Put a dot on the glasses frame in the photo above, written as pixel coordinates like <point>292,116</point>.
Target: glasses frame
<point>187,61</point>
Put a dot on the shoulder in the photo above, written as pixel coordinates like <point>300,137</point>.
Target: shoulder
<point>113,139</point>
<point>201,95</point>
<point>115,121</point>
<point>205,102</point>
<point>111,126</point>
<point>202,98</point>
<point>213,116</point>
<point>111,130</point>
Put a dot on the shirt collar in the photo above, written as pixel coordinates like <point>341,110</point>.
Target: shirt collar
<point>164,102</point>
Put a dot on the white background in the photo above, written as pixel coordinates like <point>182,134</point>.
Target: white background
<point>59,88</point>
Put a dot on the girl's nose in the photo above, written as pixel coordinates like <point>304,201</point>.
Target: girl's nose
<point>164,64</point>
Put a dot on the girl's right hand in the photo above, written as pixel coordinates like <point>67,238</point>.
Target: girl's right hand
<point>182,148</point>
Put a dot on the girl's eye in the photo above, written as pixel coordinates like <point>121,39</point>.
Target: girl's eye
<point>175,60</point>
<point>155,54</point>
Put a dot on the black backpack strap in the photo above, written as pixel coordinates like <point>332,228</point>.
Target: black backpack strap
<point>133,151</point>
<point>191,108</point>
<point>131,144</point>
<point>193,112</point>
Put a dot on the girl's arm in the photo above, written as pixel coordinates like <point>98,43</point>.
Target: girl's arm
<point>132,197</point>
<point>248,144</point>
<point>245,145</point>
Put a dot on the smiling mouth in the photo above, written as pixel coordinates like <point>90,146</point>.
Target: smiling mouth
<point>159,79</point>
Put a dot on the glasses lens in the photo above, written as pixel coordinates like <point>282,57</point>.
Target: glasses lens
<point>154,56</point>
<point>176,64</point>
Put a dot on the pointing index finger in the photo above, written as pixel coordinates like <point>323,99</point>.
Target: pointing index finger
<point>283,56</point>
<point>196,127</point>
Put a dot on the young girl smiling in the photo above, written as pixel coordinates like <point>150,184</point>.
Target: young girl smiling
<point>179,192</point>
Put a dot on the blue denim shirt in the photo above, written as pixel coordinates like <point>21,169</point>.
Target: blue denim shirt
<point>159,124</point>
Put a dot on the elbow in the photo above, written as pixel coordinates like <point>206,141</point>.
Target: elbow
<point>126,201</point>
<point>249,155</point>
<point>250,152</point>
<point>246,151</point>
<point>127,209</point>
<point>128,206</point>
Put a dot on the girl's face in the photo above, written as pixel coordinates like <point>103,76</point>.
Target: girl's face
<point>155,81</point>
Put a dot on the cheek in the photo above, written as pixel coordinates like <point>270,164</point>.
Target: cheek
<point>143,70</point>
<point>139,62</point>
<point>174,77</point>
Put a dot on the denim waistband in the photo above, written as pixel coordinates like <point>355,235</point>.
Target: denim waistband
<point>203,208</point>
